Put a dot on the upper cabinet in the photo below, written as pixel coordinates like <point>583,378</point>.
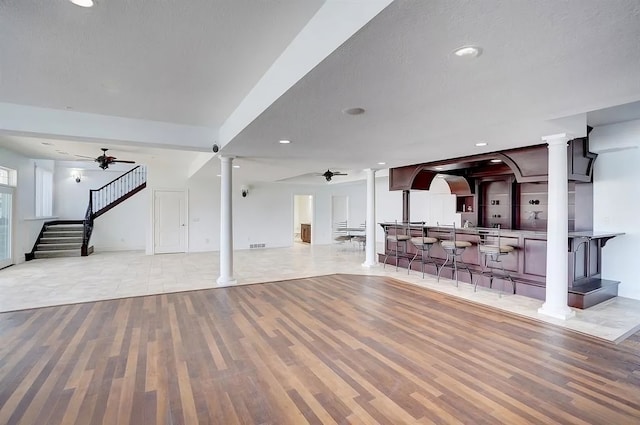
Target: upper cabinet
<point>508,188</point>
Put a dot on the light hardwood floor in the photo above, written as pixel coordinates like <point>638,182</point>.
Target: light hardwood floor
<point>334,349</point>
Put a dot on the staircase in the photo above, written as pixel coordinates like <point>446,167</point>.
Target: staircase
<point>71,238</point>
<point>60,240</point>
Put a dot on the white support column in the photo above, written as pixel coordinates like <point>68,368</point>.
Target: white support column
<point>226,223</point>
<point>556,296</point>
<point>370,259</point>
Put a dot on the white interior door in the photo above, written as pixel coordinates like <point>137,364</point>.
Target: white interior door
<point>6,226</point>
<point>170,230</point>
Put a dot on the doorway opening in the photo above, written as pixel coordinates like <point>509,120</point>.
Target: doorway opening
<point>302,218</point>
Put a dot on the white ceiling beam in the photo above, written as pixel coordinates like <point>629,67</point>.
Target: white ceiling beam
<point>332,25</point>
<point>79,126</point>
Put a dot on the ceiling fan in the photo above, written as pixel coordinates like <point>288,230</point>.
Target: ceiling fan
<point>105,160</point>
<point>329,174</point>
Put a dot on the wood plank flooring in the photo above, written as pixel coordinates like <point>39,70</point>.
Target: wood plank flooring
<point>329,350</point>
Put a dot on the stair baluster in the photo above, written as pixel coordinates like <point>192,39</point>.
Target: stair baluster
<point>69,233</point>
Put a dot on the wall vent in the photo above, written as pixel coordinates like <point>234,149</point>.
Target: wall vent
<point>257,245</point>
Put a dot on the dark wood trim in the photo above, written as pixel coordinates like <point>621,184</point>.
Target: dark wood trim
<point>528,164</point>
<point>131,171</point>
<point>119,201</point>
<point>406,205</point>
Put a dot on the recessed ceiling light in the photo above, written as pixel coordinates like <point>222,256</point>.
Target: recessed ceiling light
<point>468,51</point>
<point>284,142</point>
<point>353,111</point>
<point>480,144</point>
<point>381,163</point>
<point>496,160</point>
<point>236,166</point>
<point>82,3</point>
<point>218,175</point>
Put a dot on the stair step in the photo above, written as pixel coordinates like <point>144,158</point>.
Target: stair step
<point>62,234</point>
<point>64,239</point>
<point>591,292</point>
<point>58,246</point>
<point>64,227</point>
<point>56,254</point>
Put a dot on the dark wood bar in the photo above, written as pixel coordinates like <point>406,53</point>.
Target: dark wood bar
<point>526,264</point>
<point>509,190</point>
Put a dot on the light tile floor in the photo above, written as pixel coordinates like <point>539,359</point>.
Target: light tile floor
<point>107,275</point>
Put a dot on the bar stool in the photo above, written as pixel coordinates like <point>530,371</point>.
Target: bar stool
<point>423,244</point>
<point>396,239</point>
<point>491,248</point>
<point>454,249</point>
<point>340,235</point>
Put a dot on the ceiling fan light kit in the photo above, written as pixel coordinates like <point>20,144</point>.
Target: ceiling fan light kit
<point>105,160</point>
<point>328,175</point>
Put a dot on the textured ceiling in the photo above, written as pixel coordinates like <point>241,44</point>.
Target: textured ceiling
<point>542,60</point>
<point>188,62</point>
<point>545,64</point>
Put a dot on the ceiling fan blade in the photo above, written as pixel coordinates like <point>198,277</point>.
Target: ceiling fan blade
<point>123,161</point>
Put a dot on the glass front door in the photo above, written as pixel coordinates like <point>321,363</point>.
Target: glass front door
<point>6,208</point>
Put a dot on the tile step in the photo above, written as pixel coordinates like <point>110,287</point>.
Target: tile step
<point>59,234</point>
<point>57,254</point>
<point>58,246</point>
<point>64,239</point>
<point>64,227</point>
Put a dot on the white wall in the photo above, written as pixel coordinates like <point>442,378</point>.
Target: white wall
<point>266,215</point>
<point>122,228</point>
<point>616,193</point>
<point>26,228</point>
<point>204,213</point>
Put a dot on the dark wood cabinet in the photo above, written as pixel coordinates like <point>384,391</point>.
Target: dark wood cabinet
<point>509,189</point>
<point>305,233</point>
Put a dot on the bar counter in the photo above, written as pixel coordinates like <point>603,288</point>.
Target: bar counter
<point>526,263</point>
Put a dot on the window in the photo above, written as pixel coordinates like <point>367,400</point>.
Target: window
<point>44,192</point>
<point>7,176</point>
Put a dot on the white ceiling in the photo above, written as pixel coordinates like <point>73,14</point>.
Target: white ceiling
<point>188,62</point>
<point>542,61</point>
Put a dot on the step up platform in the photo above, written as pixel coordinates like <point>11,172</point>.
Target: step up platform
<point>591,292</point>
